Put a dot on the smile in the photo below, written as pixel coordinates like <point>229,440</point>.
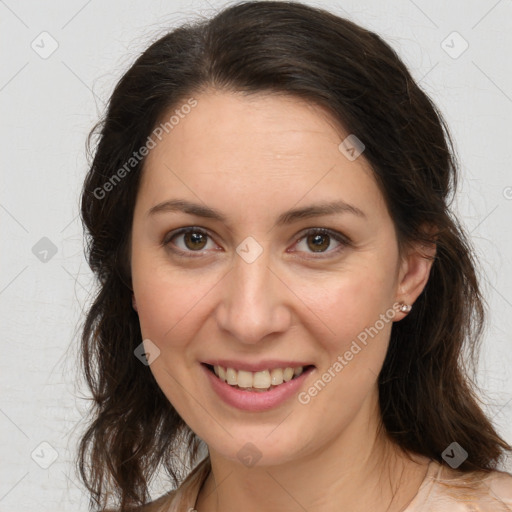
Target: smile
<point>242,391</point>
<point>256,381</point>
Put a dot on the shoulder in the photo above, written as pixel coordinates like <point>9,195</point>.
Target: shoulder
<point>157,505</point>
<point>485,491</point>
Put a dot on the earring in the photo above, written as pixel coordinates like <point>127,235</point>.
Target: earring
<point>405,308</point>
<point>134,304</point>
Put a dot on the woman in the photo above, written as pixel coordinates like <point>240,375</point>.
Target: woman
<point>281,278</point>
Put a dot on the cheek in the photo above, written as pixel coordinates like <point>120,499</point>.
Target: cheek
<point>359,323</point>
<point>171,309</point>
<point>167,301</point>
<point>353,321</point>
<point>346,303</point>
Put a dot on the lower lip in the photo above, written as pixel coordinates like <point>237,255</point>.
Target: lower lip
<point>254,400</point>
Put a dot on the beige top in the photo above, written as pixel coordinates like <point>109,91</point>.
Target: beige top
<point>442,490</point>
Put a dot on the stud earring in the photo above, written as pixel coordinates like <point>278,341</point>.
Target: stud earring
<point>405,308</point>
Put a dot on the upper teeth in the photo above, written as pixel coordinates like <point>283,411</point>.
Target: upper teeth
<point>261,380</point>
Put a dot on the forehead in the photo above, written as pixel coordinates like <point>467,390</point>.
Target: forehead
<point>263,150</point>
<point>242,126</point>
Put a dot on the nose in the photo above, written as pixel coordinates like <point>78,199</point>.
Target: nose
<point>254,301</point>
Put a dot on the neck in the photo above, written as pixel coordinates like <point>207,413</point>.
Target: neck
<point>329,479</point>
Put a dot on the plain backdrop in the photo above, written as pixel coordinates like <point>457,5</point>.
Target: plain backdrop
<point>60,62</point>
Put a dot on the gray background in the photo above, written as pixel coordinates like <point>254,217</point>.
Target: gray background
<point>49,101</point>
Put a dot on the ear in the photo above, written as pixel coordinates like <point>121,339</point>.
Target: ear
<point>414,270</point>
<point>134,303</point>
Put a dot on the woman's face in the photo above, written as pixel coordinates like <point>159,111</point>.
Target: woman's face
<point>290,259</point>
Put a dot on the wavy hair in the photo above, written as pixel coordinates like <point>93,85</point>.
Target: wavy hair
<point>427,394</point>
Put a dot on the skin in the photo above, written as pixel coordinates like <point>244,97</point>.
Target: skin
<point>252,158</point>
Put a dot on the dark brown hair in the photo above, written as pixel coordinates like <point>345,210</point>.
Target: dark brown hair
<point>426,391</point>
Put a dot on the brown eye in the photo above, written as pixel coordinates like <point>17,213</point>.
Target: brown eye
<point>189,240</point>
<point>318,242</point>
<point>195,240</point>
<point>321,240</point>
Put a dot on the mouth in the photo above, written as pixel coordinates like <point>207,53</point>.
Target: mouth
<point>260,381</point>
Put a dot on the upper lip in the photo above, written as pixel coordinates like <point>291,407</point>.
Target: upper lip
<point>266,364</point>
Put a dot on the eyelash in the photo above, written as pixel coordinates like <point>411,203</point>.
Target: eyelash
<point>343,240</point>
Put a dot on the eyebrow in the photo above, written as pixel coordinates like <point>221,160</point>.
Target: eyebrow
<point>288,217</point>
